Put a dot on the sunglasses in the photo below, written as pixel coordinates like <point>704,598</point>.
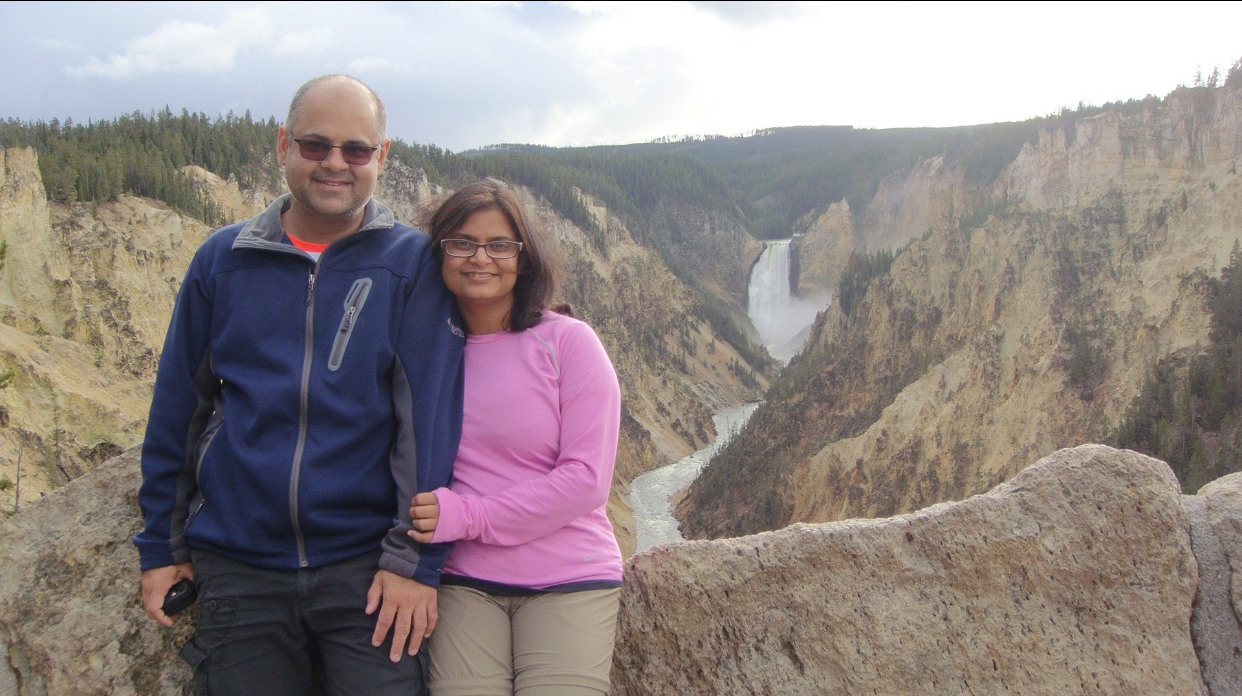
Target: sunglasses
<point>316,151</point>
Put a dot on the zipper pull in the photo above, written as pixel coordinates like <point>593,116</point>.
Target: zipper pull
<point>310,288</point>
<point>349,319</point>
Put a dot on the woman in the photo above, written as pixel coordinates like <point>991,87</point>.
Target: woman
<point>529,595</point>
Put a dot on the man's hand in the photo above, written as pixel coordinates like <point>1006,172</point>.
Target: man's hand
<point>405,605</point>
<point>156,583</point>
<point>424,514</point>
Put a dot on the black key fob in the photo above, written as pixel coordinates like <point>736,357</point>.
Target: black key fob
<point>180,597</point>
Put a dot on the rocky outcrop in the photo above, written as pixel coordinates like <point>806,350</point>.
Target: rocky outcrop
<point>712,247</point>
<point>823,251</point>
<point>1078,576</point>
<point>983,347</point>
<point>1215,626</point>
<point>931,195</point>
<point>85,293</point>
<point>71,618</point>
<point>405,190</point>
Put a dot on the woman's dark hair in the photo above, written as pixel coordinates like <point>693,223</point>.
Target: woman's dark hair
<point>536,279</point>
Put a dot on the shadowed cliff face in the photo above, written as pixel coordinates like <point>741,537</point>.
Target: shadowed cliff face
<point>1087,573</point>
<point>986,345</point>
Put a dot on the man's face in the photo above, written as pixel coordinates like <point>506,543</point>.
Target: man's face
<point>336,113</point>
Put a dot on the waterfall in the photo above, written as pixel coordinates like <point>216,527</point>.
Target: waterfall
<point>781,319</point>
<point>769,286</point>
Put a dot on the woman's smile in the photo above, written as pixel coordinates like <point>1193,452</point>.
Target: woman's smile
<point>483,285</point>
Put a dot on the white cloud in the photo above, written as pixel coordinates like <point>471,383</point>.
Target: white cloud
<point>305,42</point>
<point>593,8</point>
<point>193,47</point>
<point>378,65</point>
<point>587,72</point>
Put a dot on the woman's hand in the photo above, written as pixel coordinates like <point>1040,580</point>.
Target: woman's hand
<point>424,513</point>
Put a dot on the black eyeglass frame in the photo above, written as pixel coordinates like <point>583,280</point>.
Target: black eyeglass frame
<point>474,249</point>
<point>352,153</point>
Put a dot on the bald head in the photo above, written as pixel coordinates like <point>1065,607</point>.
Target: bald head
<point>338,82</point>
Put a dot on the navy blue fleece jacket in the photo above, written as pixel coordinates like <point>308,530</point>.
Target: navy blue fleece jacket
<point>300,404</point>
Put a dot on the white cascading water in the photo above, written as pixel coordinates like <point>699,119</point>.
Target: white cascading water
<point>782,322</point>
<point>780,318</point>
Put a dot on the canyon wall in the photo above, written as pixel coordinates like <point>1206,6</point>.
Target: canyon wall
<point>932,195</point>
<point>984,346</point>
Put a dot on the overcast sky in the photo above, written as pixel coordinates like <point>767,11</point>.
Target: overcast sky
<point>463,75</point>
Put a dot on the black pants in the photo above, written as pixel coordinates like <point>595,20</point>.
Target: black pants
<point>294,633</point>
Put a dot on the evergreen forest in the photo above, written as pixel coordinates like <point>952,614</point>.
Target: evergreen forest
<point>771,182</point>
<point>142,155</point>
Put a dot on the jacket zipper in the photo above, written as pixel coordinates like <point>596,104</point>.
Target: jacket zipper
<point>354,301</point>
<point>303,407</point>
<point>209,437</point>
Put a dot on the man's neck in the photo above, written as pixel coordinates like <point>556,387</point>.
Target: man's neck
<point>318,229</point>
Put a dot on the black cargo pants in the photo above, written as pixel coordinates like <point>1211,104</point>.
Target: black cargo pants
<point>295,633</point>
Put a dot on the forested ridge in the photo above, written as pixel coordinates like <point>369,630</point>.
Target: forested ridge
<point>771,183</point>
<point>768,181</point>
<point>142,154</point>
<point>773,178</point>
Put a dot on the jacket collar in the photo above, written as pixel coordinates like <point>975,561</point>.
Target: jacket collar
<point>265,231</point>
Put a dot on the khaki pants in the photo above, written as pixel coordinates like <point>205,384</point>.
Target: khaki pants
<point>550,644</point>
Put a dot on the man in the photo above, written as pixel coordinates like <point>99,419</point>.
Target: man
<point>310,385</point>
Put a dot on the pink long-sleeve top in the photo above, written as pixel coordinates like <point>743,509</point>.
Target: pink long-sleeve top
<point>527,506</point>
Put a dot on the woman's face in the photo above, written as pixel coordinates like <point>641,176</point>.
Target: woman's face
<point>481,282</point>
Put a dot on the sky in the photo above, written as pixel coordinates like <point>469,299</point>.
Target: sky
<point>462,75</point>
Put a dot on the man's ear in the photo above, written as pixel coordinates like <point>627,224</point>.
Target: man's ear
<point>282,145</point>
<point>382,154</point>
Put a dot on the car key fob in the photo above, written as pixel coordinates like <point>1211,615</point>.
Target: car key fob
<point>180,596</point>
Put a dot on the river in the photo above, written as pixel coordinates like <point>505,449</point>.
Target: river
<point>650,493</point>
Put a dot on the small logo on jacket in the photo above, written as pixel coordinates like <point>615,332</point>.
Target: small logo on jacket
<point>588,559</point>
<point>456,329</point>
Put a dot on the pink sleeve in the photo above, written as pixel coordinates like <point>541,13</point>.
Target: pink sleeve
<point>452,516</point>
<point>590,399</point>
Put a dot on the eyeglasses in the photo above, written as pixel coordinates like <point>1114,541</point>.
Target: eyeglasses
<point>464,248</point>
<point>316,151</point>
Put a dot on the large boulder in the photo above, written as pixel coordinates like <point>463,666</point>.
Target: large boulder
<point>1216,532</point>
<point>71,617</point>
<point>1076,576</point>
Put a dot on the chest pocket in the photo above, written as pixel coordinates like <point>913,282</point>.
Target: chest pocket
<point>354,302</point>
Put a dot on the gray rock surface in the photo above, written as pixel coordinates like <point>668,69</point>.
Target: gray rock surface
<point>1214,625</point>
<point>70,609</point>
<point>1224,506</point>
<point>1076,577</point>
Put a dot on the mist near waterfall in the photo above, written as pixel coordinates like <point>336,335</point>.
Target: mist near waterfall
<point>782,321</point>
